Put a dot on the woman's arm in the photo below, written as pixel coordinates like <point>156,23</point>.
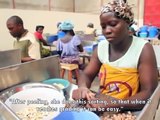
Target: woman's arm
<point>87,76</point>
<point>148,75</point>
<point>44,42</point>
<point>90,71</point>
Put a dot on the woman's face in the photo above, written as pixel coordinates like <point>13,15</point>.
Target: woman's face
<point>40,30</point>
<point>115,30</point>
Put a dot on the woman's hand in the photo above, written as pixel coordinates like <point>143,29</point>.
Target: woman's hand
<point>101,101</point>
<point>82,92</point>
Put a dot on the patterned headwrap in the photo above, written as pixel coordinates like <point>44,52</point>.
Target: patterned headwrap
<point>122,10</point>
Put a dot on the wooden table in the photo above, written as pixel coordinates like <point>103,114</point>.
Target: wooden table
<point>85,56</point>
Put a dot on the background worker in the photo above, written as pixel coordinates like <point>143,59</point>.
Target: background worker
<point>25,41</point>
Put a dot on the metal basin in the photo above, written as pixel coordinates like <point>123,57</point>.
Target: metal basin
<point>41,97</point>
<point>4,95</point>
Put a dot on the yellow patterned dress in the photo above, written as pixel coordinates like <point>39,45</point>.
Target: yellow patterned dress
<point>120,78</point>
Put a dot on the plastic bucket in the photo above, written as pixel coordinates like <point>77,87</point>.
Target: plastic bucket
<point>143,34</point>
<point>57,81</point>
<point>144,28</point>
<point>153,32</point>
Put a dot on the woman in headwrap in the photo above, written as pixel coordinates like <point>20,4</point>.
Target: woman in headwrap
<point>126,64</point>
<point>69,44</point>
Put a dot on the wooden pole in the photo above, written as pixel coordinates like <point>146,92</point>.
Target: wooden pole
<point>74,6</point>
<point>101,3</point>
<point>13,4</point>
<point>49,5</point>
<point>138,14</point>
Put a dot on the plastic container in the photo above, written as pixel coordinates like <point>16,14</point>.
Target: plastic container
<point>144,28</point>
<point>88,49</point>
<point>153,32</point>
<point>61,34</point>
<point>52,38</point>
<point>143,34</point>
<point>77,115</point>
<point>57,81</point>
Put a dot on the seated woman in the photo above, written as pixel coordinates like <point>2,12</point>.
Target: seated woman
<point>69,44</point>
<point>126,65</point>
<point>38,34</point>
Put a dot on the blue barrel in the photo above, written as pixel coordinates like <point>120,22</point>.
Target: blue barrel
<point>144,28</point>
<point>153,32</point>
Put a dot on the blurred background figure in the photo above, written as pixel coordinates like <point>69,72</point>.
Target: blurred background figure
<point>39,36</point>
<point>135,26</point>
<point>99,35</point>
<point>25,41</point>
<point>58,24</point>
<point>69,45</point>
<point>90,29</point>
<point>132,31</point>
<point>54,41</point>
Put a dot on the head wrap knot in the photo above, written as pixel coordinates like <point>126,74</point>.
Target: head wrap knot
<point>120,9</point>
